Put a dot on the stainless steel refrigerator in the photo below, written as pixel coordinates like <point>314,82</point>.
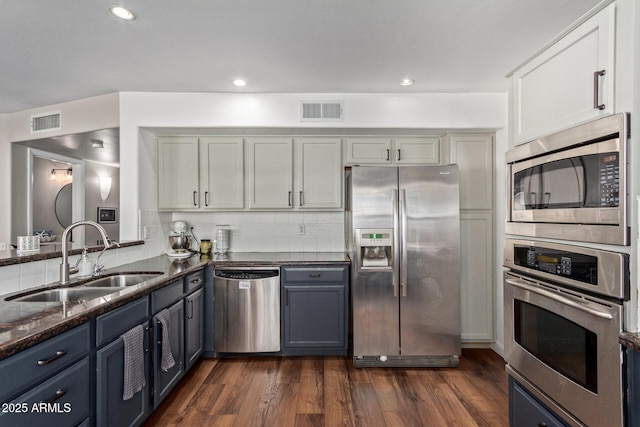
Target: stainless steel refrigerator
<point>403,228</point>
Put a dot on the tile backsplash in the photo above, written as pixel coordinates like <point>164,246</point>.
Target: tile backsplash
<point>250,232</point>
<point>272,231</point>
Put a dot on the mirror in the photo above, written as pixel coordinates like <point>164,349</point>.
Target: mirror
<point>91,155</point>
<point>63,206</point>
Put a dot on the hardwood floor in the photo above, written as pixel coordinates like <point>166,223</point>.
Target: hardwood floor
<point>329,391</point>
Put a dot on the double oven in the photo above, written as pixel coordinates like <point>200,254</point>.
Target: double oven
<point>567,270</point>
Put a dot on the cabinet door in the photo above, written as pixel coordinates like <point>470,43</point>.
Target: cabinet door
<point>476,280</point>
<point>111,410</point>
<point>555,90</point>
<point>164,381</point>
<point>319,176</point>
<point>526,410</point>
<point>474,156</point>
<point>222,172</point>
<point>270,174</point>
<point>178,173</point>
<point>414,150</point>
<point>194,327</point>
<point>314,316</point>
<point>368,150</point>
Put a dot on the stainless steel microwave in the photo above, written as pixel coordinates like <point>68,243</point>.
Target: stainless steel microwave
<point>572,185</point>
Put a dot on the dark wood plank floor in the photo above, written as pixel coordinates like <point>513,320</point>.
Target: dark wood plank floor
<point>329,391</point>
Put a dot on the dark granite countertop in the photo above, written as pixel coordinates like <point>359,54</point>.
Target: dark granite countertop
<point>252,259</point>
<point>631,340</point>
<point>47,251</point>
<point>24,324</point>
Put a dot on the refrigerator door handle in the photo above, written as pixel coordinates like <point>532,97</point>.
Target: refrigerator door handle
<point>396,242</point>
<point>403,242</point>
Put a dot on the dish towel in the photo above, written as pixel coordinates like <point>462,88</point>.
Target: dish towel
<point>166,361</point>
<point>133,362</point>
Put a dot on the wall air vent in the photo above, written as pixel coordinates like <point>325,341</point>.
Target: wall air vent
<point>46,122</point>
<point>319,111</point>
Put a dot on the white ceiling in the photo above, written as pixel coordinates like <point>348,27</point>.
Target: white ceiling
<point>56,51</point>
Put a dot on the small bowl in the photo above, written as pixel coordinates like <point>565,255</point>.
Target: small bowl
<point>47,239</point>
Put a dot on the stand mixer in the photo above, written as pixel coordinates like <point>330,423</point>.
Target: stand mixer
<point>179,240</point>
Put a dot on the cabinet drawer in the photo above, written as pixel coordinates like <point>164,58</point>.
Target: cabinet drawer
<point>193,282</point>
<point>315,274</point>
<point>33,365</point>
<point>61,401</point>
<point>166,296</point>
<point>111,325</point>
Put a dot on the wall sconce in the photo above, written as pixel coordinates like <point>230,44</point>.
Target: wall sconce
<point>105,187</point>
<point>68,174</point>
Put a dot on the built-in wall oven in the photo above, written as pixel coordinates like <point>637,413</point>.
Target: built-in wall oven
<point>572,185</point>
<point>563,317</point>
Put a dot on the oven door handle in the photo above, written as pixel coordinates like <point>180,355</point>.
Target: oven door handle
<point>558,298</point>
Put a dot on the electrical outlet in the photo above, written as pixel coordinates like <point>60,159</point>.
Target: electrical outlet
<point>144,232</point>
<point>3,246</point>
<point>301,229</point>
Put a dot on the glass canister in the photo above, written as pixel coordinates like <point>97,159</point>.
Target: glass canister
<point>205,246</point>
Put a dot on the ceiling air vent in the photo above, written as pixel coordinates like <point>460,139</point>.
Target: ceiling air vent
<point>46,122</point>
<point>316,111</point>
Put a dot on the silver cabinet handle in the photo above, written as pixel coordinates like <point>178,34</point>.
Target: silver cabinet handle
<point>57,356</point>
<point>194,198</point>
<point>387,154</point>
<point>196,281</point>
<point>206,198</point>
<point>596,89</point>
<point>190,316</point>
<point>59,393</point>
<point>301,199</point>
<point>398,155</point>
<point>290,194</point>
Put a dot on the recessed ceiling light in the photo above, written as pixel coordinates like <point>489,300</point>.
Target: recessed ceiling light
<point>122,13</point>
<point>239,82</point>
<point>406,82</point>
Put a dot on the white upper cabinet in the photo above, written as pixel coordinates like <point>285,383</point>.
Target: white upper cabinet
<point>319,173</point>
<point>222,172</point>
<point>404,150</point>
<point>362,150</point>
<point>474,156</point>
<point>569,83</point>
<point>178,173</point>
<point>417,150</point>
<point>270,172</point>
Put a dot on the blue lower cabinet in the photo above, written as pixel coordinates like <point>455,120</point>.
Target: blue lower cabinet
<point>314,311</point>
<point>194,327</point>
<point>63,400</point>
<point>165,381</point>
<point>111,409</point>
<point>526,411</point>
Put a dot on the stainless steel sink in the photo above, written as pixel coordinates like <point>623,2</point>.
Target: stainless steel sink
<point>120,280</point>
<point>65,295</point>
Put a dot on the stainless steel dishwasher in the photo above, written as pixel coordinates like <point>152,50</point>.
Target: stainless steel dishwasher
<point>247,310</point>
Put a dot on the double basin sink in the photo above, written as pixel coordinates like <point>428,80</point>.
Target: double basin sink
<point>93,289</point>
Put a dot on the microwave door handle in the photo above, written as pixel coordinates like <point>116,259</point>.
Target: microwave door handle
<point>563,300</point>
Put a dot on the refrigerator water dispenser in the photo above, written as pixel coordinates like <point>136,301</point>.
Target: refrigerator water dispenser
<point>375,249</point>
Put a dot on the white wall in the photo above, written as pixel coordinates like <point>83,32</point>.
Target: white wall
<point>5,182</point>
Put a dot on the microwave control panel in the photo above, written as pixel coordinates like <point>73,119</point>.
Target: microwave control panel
<point>609,180</point>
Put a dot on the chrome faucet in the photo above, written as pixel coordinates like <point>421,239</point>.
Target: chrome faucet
<point>64,266</point>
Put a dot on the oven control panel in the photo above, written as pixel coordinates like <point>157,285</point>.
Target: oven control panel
<point>580,267</point>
